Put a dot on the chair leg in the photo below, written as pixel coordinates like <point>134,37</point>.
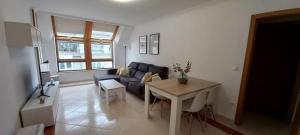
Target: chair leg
<point>153,103</point>
<point>204,111</point>
<point>191,123</point>
<point>200,121</point>
<point>211,109</point>
<point>161,108</point>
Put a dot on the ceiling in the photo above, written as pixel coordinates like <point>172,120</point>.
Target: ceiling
<point>128,13</point>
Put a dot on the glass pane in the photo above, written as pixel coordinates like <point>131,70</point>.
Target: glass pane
<point>101,64</point>
<point>64,66</point>
<point>101,51</point>
<point>102,34</point>
<point>69,34</point>
<point>70,50</point>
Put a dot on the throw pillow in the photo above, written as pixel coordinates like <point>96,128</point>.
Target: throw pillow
<point>147,77</point>
<point>118,70</point>
<point>155,77</point>
<point>123,71</point>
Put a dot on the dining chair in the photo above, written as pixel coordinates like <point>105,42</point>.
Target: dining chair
<point>210,101</point>
<point>192,107</point>
<point>157,96</point>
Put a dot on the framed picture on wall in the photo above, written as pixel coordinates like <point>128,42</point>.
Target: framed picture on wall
<point>143,44</point>
<point>154,44</point>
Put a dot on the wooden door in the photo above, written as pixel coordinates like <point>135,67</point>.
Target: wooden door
<point>296,123</point>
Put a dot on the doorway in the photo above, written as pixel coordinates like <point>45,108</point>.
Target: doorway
<point>274,69</point>
<point>269,83</point>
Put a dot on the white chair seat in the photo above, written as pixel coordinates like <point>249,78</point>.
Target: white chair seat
<point>194,105</point>
<point>186,104</point>
<point>157,96</point>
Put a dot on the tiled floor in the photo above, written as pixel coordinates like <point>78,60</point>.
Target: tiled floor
<point>83,112</point>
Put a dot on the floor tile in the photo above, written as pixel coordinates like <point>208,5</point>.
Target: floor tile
<point>83,111</point>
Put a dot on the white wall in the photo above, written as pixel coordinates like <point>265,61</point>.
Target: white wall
<point>213,36</point>
<point>122,37</point>
<point>49,50</point>
<point>18,73</point>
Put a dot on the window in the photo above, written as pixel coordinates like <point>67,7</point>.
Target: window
<point>83,45</point>
<point>65,66</point>
<point>101,56</point>
<point>105,64</point>
<point>101,51</point>
<point>70,50</point>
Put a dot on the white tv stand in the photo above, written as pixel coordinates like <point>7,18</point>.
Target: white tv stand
<point>35,113</point>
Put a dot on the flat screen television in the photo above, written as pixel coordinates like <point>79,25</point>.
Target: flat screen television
<point>44,73</point>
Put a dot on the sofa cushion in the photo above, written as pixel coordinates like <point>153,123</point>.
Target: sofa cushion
<point>135,87</point>
<point>143,67</point>
<point>133,65</point>
<point>126,80</point>
<point>162,71</point>
<point>105,77</point>
<point>111,71</point>
<point>139,75</point>
<point>132,72</point>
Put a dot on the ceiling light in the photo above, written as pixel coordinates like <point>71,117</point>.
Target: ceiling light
<point>123,1</point>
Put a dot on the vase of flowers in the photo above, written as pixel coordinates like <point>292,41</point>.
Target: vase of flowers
<point>182,73</point>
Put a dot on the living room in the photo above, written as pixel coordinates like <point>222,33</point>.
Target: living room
<point>92,47</point>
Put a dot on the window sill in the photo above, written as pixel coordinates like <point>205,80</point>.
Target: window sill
<point>72,71</point>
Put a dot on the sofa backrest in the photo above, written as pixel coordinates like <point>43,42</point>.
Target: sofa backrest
<point>139,75</point>
<point>138,69</point>
<point>133,65</point>
<point>162,71</point>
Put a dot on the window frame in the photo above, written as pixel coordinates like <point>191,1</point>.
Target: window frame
<point>87,41</point>
<point>103,60</point>
<point>70,70</point>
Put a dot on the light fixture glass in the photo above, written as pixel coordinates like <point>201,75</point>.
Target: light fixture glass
<point>124,1</point>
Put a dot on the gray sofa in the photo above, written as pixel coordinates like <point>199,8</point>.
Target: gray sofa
<point>136,73</point>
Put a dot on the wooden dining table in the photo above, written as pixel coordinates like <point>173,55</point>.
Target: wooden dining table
<point>170,88</point>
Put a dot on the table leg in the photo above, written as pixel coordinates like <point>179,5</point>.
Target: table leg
<point>107,96</point>
<point>99,89</point>
<point>124,94</point>
<point>147,98</point>
<point>175,118</point>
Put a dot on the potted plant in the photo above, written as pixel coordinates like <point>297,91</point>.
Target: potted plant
<point>182,73</point>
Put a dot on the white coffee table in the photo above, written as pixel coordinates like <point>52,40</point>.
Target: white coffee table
<point>112,86</point>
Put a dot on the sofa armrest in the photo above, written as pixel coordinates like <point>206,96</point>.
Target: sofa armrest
<point>112,71</point>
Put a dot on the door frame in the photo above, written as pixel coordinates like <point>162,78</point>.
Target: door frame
<point>255,20</point>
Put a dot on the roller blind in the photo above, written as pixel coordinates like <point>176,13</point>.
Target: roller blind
<point>103,30</point>
<point>103,27</point>
<point>69,27</point>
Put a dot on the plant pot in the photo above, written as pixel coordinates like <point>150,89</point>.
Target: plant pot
<point>182,80</point>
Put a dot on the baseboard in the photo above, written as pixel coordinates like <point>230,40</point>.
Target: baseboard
<point>77,83</point>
